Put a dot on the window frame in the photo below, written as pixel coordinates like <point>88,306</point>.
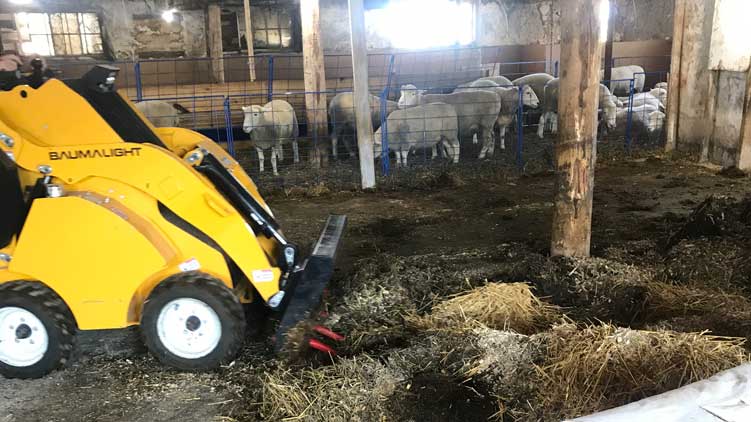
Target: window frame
<point>295,29</point>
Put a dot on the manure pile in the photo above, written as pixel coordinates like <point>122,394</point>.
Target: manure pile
<point>505,333</point>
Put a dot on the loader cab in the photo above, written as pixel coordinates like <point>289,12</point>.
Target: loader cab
<point>97,87</point>
<point>13,211</point>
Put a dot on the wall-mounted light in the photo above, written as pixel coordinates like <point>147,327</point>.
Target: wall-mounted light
<point>169,15</point>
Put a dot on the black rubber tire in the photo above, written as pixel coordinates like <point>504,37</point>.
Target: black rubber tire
<point>46,305</point>
<point>215,294</point>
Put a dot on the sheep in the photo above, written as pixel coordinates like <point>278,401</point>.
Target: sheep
<point>271,126</point>
<point>643,98</point>
<point>537,81</point>
<point>509,107</point>
<point>606,102</point>
<point>342,117</point>
<point>477,111</point>
<point>661,94</point>
<point>647,115</point>
<point>418,126</point>
<point>161,113</point>
<point>499,80</point>
<point>620,86</point>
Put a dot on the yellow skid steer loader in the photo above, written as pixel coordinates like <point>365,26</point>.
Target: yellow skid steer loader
<point>109,222</point>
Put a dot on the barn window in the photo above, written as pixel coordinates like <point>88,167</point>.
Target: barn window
<point>423,23</point>
<point>60,34</point>
<point>275,27</point>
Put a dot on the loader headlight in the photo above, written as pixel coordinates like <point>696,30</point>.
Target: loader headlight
<point>7,140</point>
<point>289,256</point>
<point>54,191</point>
<point>194,157</point>
<point>276,300</point>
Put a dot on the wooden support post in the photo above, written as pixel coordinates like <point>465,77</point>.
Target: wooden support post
<point>576,149</point>
<point>315,81</point>
<point>249,41</point>
<point>362,102</point>
<point>609,47</point>
<point>674,81</point>
<point>744,156</point>
<point>215,42</point>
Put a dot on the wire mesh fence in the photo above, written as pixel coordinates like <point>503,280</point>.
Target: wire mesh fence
<point>282,131</point>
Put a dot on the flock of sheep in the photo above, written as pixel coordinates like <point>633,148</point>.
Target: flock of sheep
<point>479,111</point>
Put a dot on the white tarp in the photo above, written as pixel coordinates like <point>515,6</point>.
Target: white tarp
<point>726,397</point>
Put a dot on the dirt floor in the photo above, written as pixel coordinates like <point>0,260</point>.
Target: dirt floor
<point>478,222</point>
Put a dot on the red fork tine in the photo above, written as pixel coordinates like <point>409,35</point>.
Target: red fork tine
<point>320,329</point>
<point>315,344</point>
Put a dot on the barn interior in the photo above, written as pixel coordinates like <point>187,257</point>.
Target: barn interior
<point>536,272</point>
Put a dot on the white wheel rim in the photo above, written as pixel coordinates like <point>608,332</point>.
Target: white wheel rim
<point>23,337</point>
<point>189,328</point>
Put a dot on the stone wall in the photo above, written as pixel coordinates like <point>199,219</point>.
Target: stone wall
<point>134,28</point>
<point>710,108</point>
<point>517,22</point>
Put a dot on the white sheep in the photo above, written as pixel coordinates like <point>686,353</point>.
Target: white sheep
<point>643,98</point>
<point>270,127</point>
<point>161,113</point>
<point>537,81</point>
<point>342,117</point>
<point>420,126</point>
<point>509,97</point>
<point>620,86</point>
<point>477,110</point>
<point>661,94</point>
<point>647,115</point>
<point>606,102</point>
<point>500,80</point>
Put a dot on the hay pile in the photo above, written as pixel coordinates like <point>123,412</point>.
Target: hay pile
<point>563,372</point>
<point>438,317</point>
<point>600,288</point>
<point>510,307</point>
<point>642,253</point>
<point>603,366</point>
<point>692,309</point>
<point>720,263</point>
<point>500,364</point>
<point>372,316</point>
<point>353,389</point>
<point>373,303</point>
<point>715,216</point>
